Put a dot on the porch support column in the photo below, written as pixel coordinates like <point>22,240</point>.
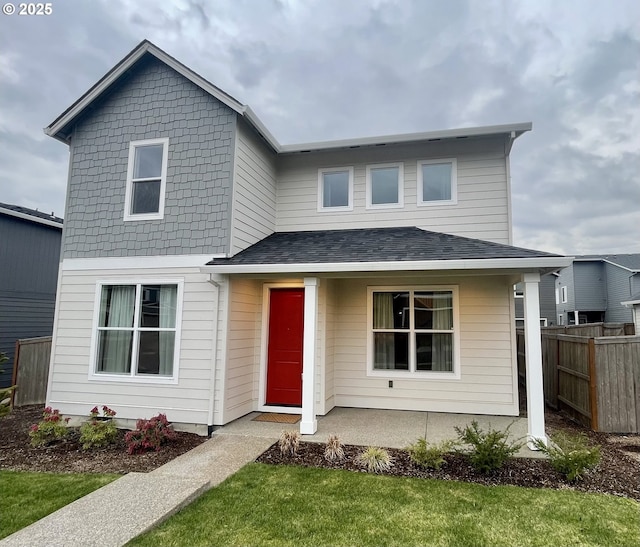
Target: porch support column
<point>309,424</point>
<point>533,348</point>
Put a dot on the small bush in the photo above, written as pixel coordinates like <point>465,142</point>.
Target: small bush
<point>375,460</point>
<point>5,392</point>
<point>51,428</point>
<point>99,430</point>
<point>428,456</point>
<point>488,450</point>
<point>569,454</point>
<point>333,451</point>
<point>289,442</point>
<point>149,435</point>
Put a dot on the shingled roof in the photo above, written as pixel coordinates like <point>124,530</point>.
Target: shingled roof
<point>30,214</point>
<point>408,244</point>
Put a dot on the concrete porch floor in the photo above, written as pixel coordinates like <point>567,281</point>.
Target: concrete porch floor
<point>385,428</point>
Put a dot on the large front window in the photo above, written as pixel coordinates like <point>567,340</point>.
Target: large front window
<point>413,330</point>
<point>137,329</point>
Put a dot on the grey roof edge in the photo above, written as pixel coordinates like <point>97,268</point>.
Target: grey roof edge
<point>610,259</point>
<point>55,128</point>
<point>515,129</point>
<point>25,213</point>
<point>632,301</point>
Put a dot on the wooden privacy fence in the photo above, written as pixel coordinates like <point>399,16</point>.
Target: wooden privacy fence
<point>31,370</point>
<point>595,379</point>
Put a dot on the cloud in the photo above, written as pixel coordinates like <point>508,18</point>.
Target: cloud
<point>317,70</point>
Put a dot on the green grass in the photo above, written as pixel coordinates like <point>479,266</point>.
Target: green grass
<point>27,497</point>
<point>278,505</point>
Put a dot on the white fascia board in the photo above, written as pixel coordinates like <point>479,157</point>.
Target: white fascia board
<point>630,303</point>
<point>418,265</point>
<point>136,262</point>
<point>253,119</point>
<point>516,128</point>
<point>31,218</point>
<point>115,73</point>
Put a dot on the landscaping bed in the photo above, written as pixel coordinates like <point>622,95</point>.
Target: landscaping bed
<point>67,456</point>
<point>618,472</point>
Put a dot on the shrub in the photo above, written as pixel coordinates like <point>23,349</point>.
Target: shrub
<point>488,450</point>
<point>51,428</point>
<point>149,434</point>
<point>289,442</point>
<point>376,460</point>
<point>428,456</point>
<point>99,430</point>
<point>333,451</point>
<point>5,392</point>
<point>570,454</point>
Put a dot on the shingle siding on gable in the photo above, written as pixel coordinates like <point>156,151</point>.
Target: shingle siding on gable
<point>590,286</point>
<point>154,102</point>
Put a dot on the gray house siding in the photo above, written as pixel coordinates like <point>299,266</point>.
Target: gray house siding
<point>619,288</point>
<point>29,259</point>
<point>565,279</point>
<point>546,291</point>
<point>589,282</point>
<point>153,102</point>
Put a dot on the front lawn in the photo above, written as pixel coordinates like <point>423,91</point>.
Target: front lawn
<point>27,497</point>
<point>287,505</point>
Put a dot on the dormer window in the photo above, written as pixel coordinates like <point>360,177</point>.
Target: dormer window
<point>385,186</point>
<point>437,182</point>
<point>335,189</point>
<point>146,179</point>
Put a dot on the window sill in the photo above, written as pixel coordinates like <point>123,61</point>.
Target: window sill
<point>146,216</point>
<point>127,379</point>
<point>419,375</point>
<point>448,203</point>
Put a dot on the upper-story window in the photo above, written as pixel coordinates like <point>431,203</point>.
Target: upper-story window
<point>437,182</point>
<point>563,292</point>
<point>146,179</point>
<point>335,189</point>
<point>385,185</point>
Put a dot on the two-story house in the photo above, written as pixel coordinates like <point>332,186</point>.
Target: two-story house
<point>209,271</point>
<point>594,288</point>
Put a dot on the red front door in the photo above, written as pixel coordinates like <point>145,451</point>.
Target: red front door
<point>284,361</point>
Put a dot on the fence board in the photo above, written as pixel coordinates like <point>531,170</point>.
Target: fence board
<point>31,371</point>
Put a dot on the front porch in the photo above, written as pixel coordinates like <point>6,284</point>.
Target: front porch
<point>384,428</point>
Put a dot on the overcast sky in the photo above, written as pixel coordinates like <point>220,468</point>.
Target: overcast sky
<point>320,70</point>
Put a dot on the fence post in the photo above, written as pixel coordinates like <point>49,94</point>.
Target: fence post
<point>593,385</point>
<point>14,372</point>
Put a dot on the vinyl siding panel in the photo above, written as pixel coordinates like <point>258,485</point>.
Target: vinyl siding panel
<point>486,352</point>
<point>481,211</point>
<point>70,388</point>
<point>619,287</point>
<point>254,190</point>
<point>590,286</point>
<point>243,347</point>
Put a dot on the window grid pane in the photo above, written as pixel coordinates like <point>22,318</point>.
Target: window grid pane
<point>148,162</point>
<point>384,185</point>
<point>335,189</point>
<point>436,182</point>
<point>146,197</point>
<point>431,331</point>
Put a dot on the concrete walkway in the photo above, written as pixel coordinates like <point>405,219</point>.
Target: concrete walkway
<point>131,505</point>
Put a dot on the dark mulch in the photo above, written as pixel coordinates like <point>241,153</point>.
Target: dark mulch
<point>67,456</point>
<point>618,473</point>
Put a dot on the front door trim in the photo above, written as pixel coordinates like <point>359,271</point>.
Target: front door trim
<point>264,342</point>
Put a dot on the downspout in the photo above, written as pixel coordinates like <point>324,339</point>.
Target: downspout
<point>215,356</point>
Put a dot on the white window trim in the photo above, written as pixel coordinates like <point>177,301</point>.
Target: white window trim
<point>400,203</point>
<point>563,291</point>
<point>132,377</point>
<point>414,374</point>
<point>321,173</point>
<point>128,216</point>
<point>454,183</point>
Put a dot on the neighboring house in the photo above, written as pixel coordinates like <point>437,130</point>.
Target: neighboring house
<point>209,271</point>
<point>633,303</point>
<point>593,288</point>
<point>547,289</point>
<point>29,262</point>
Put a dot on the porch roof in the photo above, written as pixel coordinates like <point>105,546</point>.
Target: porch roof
<point>380,249</point>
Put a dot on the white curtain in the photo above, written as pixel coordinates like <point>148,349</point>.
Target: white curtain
<point>384,342</point>
<point>168,301</point>
<point>116,309</point>
<point>442,342</point>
